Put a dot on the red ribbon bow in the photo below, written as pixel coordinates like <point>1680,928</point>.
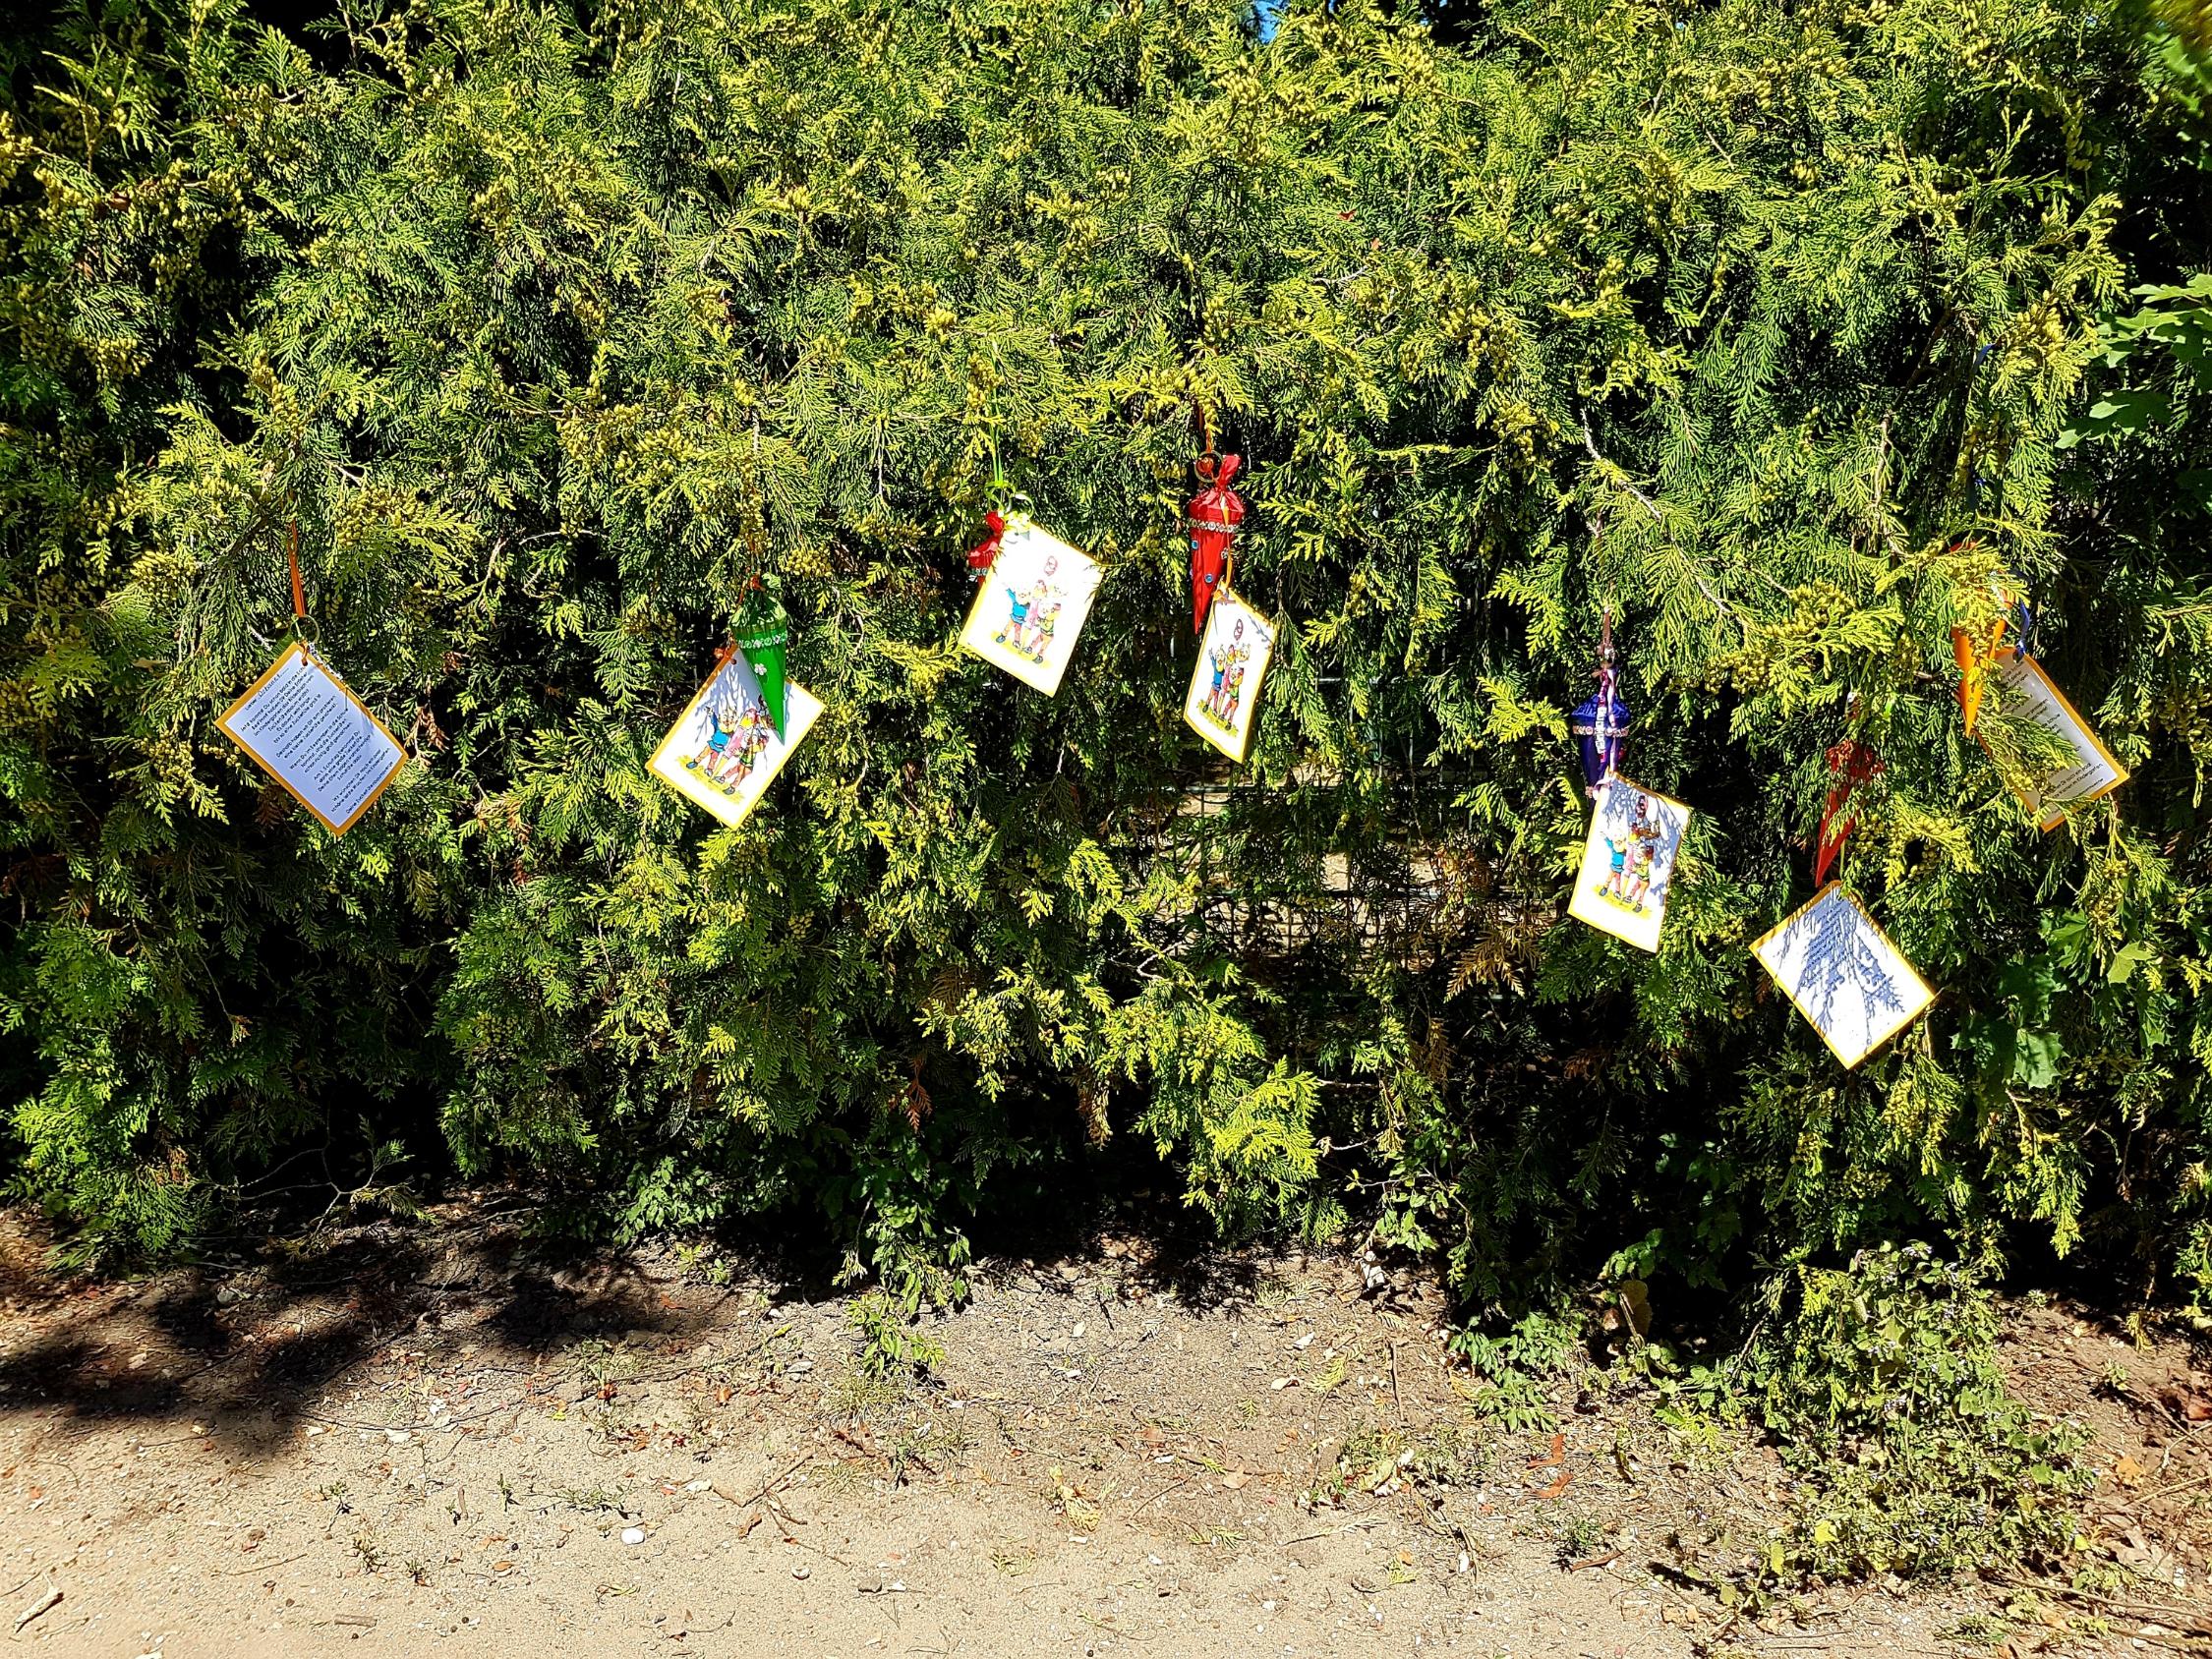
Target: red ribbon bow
<point>986,552</point>
<point>1850,763</point>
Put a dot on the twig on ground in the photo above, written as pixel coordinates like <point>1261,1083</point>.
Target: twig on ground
<point>44,1604</point>
<point>803,1458</point>
<point>2178,1486</point>
<point>1172,1486</point>
<point>1333,1532</point>
<point>2144,1611</point>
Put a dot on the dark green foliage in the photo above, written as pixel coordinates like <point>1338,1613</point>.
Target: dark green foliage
<point>1777,330</point>
<point>1885,1390</point>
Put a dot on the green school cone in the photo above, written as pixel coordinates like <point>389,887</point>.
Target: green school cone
<point>763,631</point>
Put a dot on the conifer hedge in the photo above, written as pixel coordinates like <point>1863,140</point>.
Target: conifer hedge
<point>1779,331</point>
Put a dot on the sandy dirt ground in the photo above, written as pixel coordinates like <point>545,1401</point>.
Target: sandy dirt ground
<point>435,1438</point>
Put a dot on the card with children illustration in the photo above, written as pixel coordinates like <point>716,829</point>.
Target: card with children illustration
<point>723,752</point>
<point>1628,863</point>
<point>1031,604</point>
<point>1223,703</point>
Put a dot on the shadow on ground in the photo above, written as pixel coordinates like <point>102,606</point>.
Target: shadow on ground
<point>254,1351</point>
<point>270,1341</point>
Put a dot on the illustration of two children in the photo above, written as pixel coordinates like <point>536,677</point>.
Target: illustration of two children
<point>1031,616</point>
<point>1229,661</point>
<point>737,735</point>
<point>1634,855</point>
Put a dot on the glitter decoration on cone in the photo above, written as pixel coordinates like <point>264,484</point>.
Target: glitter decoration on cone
<point>1215,519</point>
<point>1601,724</point>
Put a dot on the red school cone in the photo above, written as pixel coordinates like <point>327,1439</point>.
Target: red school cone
<point>1216,518</point>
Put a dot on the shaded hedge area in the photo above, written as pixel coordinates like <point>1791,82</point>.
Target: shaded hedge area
<point>1779,331</point>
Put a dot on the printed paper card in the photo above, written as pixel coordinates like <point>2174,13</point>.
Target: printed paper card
<point>1628,863</point>
<point>723,752</point>
<point>2094,773</point>
<point>1844,974</point>
<point>1223,703</point>
<point>1031,604</point>
<point>299,724</point>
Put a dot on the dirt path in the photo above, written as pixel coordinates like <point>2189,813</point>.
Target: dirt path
<point>430,1441</point>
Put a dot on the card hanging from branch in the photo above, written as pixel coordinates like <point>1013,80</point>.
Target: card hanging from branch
<point>1030,605</point>
<point>300,724</point>
<point>1628,862</point>
<point>1840,971</point>
<point>1222,705</point>
<point>725,748</point>
<point>2091,773</point>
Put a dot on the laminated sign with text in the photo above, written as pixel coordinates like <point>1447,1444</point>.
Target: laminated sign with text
<point>300,724</point>
<point>2093,772</point>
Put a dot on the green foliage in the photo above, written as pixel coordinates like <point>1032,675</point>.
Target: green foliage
<point>1779,331</point>
<point>1378,1458</point>
<point>890,1343</point>
<point>1517,1369</point>
<point>1885,1389</point>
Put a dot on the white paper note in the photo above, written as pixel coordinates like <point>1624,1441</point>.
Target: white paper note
<point>300,724</point>
<point>1844,974</point>
<point>2094,771</point>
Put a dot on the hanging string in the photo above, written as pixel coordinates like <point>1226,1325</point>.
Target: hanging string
<point>753,518</point>
<point>299,592</point>
<point>1605,680</point>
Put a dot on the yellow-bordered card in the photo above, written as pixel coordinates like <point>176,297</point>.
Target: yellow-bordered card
<point>723,753</point>
<point>1031,604</point>
<point>1222,705</point>
<point>2093,774</point>
<point>1844,974</point>
<point>1628,863</point>
<point>299,724</point>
